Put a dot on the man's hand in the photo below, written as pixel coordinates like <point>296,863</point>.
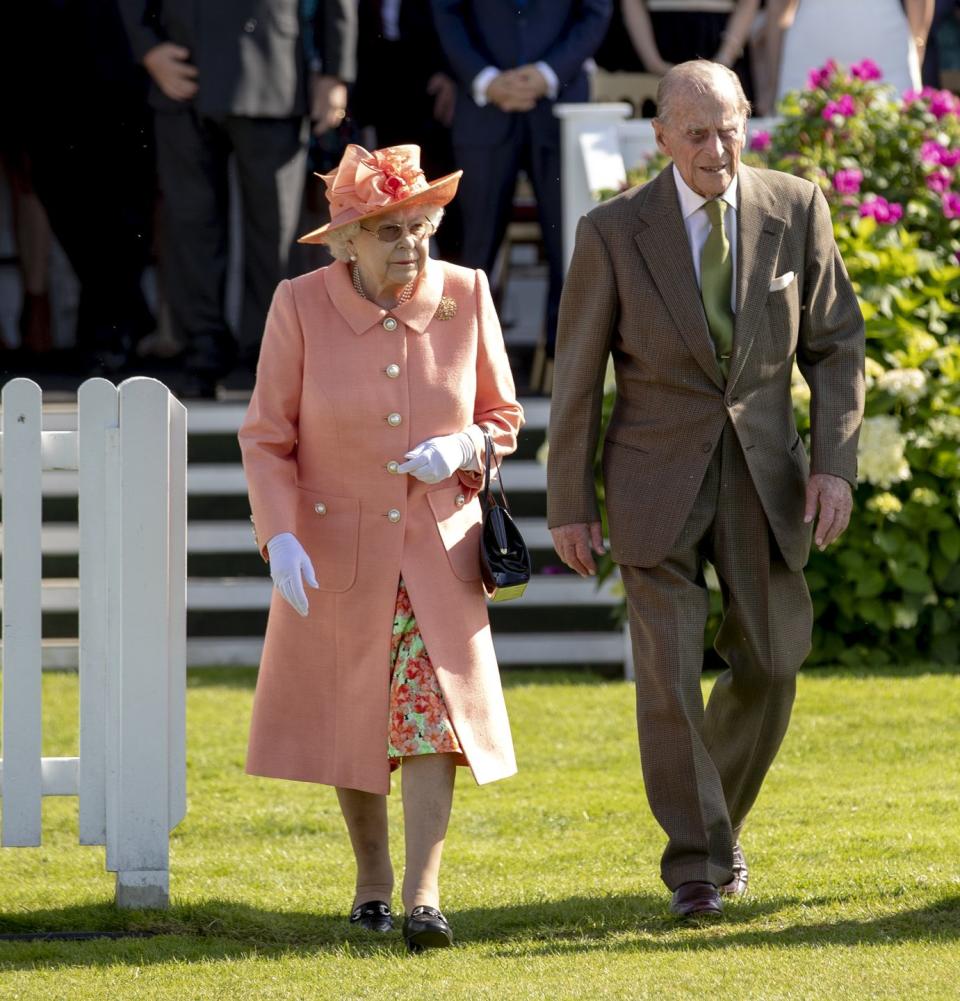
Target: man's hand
<point>172,71</point>
<point>532,78</point>
<point>835,499</point>
<point>328,102</point>
<point>512,90</point>
<point>576,543</point>
<point>444,93</point>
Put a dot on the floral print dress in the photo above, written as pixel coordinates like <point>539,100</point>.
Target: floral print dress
<point>419,722</point>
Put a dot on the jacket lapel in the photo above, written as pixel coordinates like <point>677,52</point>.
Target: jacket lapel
<point>662,239</point>
<point>759,234</point>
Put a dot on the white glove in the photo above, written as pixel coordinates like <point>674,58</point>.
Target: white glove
<point>289,567</point>
<point>437,458</point>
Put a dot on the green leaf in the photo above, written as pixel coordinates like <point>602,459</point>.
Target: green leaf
<point>949,543</point>
<point>870,583</point>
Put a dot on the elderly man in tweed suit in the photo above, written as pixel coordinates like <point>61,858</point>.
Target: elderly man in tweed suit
<point>704,285</point>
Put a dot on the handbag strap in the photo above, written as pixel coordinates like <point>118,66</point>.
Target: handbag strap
<point>488,453</point>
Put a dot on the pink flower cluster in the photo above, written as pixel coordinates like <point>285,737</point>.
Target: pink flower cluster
<point>760,142</point>
<point>867,69</point>
<point>847,182</point>
<point>941,102</point>
<point>877,207</point>
<point>819,78</point>
<point>844,108</point>
<point>951,205</point>
<point>934,152</point>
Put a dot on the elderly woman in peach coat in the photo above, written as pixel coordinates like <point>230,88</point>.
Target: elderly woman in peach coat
<point>377,381</point>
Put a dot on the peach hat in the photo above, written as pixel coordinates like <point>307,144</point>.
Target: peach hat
<point>369,184</point>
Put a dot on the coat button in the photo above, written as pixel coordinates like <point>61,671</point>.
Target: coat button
<point>393,515</point>
<point>250,25</point>
<point>394,420</point>
<point>320,507</point>
<point>393,466</point>
<point>389,323</point>
<point>707,447</point>
<point>393,371</point>
<point>461,500</point>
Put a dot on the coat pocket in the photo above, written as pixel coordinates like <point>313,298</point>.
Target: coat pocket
<point>458,522</point>
<point>328,528</point>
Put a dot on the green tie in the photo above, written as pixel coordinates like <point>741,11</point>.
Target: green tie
<point>716,275</point>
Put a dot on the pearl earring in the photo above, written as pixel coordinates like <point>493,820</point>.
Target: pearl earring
<point>353,258</point>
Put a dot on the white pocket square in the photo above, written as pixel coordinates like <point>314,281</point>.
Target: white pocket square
<point>782,282</point>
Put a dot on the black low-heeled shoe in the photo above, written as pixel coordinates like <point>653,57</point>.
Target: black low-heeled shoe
<point>374,915</point>
<point>426,928</point>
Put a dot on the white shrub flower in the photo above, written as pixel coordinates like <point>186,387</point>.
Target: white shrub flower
<point>886,504</point>
<point>881,457</point>
<point>907,384</point>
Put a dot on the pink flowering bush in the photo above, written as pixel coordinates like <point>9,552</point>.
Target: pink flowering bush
<point>890,171</point>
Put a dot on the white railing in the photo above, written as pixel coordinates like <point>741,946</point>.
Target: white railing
<point>130,450</point>
<point>599,144</point>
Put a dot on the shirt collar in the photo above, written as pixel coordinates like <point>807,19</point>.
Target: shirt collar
<point>690,201</point>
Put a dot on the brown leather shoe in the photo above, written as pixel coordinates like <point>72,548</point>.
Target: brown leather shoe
<point>737,886</point>
<point>696,900</point>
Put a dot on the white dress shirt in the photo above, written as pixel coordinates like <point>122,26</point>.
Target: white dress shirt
<point>698,225</point>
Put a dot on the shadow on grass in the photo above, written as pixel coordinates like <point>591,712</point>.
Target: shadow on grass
<point>217,929</point>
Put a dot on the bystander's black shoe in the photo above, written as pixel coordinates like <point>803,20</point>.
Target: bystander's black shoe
<point>426,928</point>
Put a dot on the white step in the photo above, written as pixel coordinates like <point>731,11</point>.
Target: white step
<point>227,479</point>
<point>62,594</point>
<point>513,649</point>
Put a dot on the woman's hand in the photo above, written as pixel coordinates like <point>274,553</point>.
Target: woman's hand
<point>289,567</point>
<point>437,458</point>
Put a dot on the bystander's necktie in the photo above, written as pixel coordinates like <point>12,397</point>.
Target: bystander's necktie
<point>716,276</point>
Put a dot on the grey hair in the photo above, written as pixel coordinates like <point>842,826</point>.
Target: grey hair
<point>338,239</point>
<point>700,75</point>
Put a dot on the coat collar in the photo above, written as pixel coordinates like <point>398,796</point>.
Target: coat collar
<point>362,314</point>
<point>662,239</point>
<point>760,232</point>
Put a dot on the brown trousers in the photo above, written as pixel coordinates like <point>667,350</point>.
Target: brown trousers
<point>703,768</point>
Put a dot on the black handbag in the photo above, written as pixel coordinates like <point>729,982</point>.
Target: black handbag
<point>504,558</point>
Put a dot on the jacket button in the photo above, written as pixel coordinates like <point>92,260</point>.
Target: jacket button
<point>393,515</point>
<point>320,507</point>
<point>393,466</point>
<point>707,447</point>
<point>394,420</point>
<point>393,371</point>
<point>389,323</point>
<point>461,500</point>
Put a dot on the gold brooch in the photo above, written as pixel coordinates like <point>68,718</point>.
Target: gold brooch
<point>447,309</point>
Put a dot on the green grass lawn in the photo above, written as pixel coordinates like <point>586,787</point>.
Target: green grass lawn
<point>550,878</point>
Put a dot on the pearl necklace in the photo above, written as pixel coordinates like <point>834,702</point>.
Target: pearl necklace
<point>358,285</point>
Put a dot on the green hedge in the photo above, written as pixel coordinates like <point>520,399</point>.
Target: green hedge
<point>889,168</point>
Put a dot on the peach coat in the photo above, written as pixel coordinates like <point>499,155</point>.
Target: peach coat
<point>343,389</point>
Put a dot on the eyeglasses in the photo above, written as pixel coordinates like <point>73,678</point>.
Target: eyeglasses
<point>392,231</point>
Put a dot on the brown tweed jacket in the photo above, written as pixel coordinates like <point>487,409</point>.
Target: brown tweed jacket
<point>631,291</point>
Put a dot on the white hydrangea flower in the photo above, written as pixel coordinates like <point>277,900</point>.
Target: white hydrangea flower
<point>904,618</point>
<point>945,425</point>
<point>881,457</point>
<point>873,371</point>
<point>924,496</point>
<point>885,503</point>
<point>907,384</point>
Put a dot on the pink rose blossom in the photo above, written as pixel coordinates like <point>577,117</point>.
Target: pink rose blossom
<point>819,78</point>
<point>848,182</point>
<point>930,151</point>
<point>867,69</point>
<point>880,209</point>
<point>951,205</point>
<point>844,108</point>
<point>938,181</point>
<point>760,142</point>
<point>942,103</point>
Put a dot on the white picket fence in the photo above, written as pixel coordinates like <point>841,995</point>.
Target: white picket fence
<point>130,451</point>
